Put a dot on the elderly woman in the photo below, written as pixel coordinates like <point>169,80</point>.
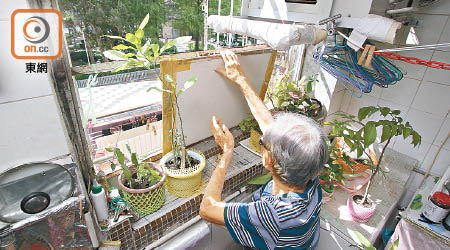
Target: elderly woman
<point>284,213</point>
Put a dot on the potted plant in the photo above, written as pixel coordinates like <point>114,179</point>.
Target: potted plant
<point>360,206</point>
<point>331,174</point>
<point>183,166</point>
<point>293,96</point>
<point>142,184</point>
<point>250,125</point>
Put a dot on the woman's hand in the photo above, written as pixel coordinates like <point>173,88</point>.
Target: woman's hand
<point>232,70</point>
<point>222,135</point>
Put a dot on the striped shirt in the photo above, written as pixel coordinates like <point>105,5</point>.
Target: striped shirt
<point>287,221</point>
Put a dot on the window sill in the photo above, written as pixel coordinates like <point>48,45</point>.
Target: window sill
<point>176,211</point>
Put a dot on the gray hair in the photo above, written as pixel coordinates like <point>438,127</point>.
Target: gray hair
<point>299,147</point>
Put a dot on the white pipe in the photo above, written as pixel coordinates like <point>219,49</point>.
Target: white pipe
<point>395,1</point>
<point>229,34</point>
<point>401,11</point>
<point>191,222</point>
<point>218,13</point>
<point>430,46</point>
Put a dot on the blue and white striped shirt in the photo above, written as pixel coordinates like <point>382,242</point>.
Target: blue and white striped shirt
<point>288,221</point>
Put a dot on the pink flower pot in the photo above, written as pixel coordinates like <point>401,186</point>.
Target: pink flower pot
<point>326,196</point>
<point>360,213</point>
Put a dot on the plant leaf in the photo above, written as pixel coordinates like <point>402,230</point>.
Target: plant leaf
<point>132,38</point>
<point>114,55</point>
<point>169,44</point>
<point>120,156</point>
<point>417,139</point>
<point>260,180</point>
<point>144,22</point>
<point>122,47</point>
<point>128,148</point>
<point>139,33</point>
<point>158,89</point>
<point>168,78</point>
<point>364,242</point>
<point>113,166</point>
<point>115,37</point>
<point>134,159</point>
<point>189,83</point>
<point>155,49</point>
<point>109,150</point>
<point>396,112</point>
<point>395,245</point>
<point>363,112</point>
<point>407,132</point>
<point>386,134</point>
<point>385,111</point>
<point>370,134</point>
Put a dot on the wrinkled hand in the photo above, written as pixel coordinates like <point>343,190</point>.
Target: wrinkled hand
<point>232,70</point>
<point>222,135</point>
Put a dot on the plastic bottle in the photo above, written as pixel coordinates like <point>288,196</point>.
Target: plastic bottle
<point>99,200</point>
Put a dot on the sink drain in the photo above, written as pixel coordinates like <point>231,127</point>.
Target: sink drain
<point>35,202</point>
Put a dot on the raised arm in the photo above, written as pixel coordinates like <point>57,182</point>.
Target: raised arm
<point>233,72</point>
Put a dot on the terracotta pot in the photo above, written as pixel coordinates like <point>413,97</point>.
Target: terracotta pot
<point>358,212</point>
<point>147,200</point>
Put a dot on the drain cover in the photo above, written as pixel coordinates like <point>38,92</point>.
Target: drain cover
<point>35,202</point>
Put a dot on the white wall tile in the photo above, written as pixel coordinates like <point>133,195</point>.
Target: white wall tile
<point>401,93</point>
<point>429,29</point>
<point>345,101</point>
<point>439,75</point>
<point>403,109</point>
<point>15,84</point>
<point>405,147</point>
<point>413,71</point>
<point>8,6</point>
<point>357,103</point>
<point>376,91</point>
<point>442,161</point>
<point>426,124</point>
<point>433,98</point>
<point>335,102</point>
<point>441,7</point>
<point>31,131</point>
<point>443,132</point>
<point>445,37</point>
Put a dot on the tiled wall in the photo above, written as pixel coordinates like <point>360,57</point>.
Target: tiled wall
<point>423,95</point>
<point>31,129</point>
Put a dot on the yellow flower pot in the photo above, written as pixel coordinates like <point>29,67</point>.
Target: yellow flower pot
<point>185,182</point>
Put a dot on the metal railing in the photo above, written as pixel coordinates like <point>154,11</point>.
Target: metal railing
<point>119,78</point>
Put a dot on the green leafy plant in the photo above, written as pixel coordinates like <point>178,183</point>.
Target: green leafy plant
<point>360,139</point>
<point>249,123</point>
<point>292,96</point>
<point>368,246</point>
<point>145,175</point>
<point>332,171</point>
<point>147,55</point>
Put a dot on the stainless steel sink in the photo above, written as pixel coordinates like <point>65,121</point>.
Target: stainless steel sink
<point>33,188</point>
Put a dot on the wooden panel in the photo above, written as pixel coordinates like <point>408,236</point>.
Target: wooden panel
<point>168,66</point>
<point>213,95</point>
<point>269,70</point>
